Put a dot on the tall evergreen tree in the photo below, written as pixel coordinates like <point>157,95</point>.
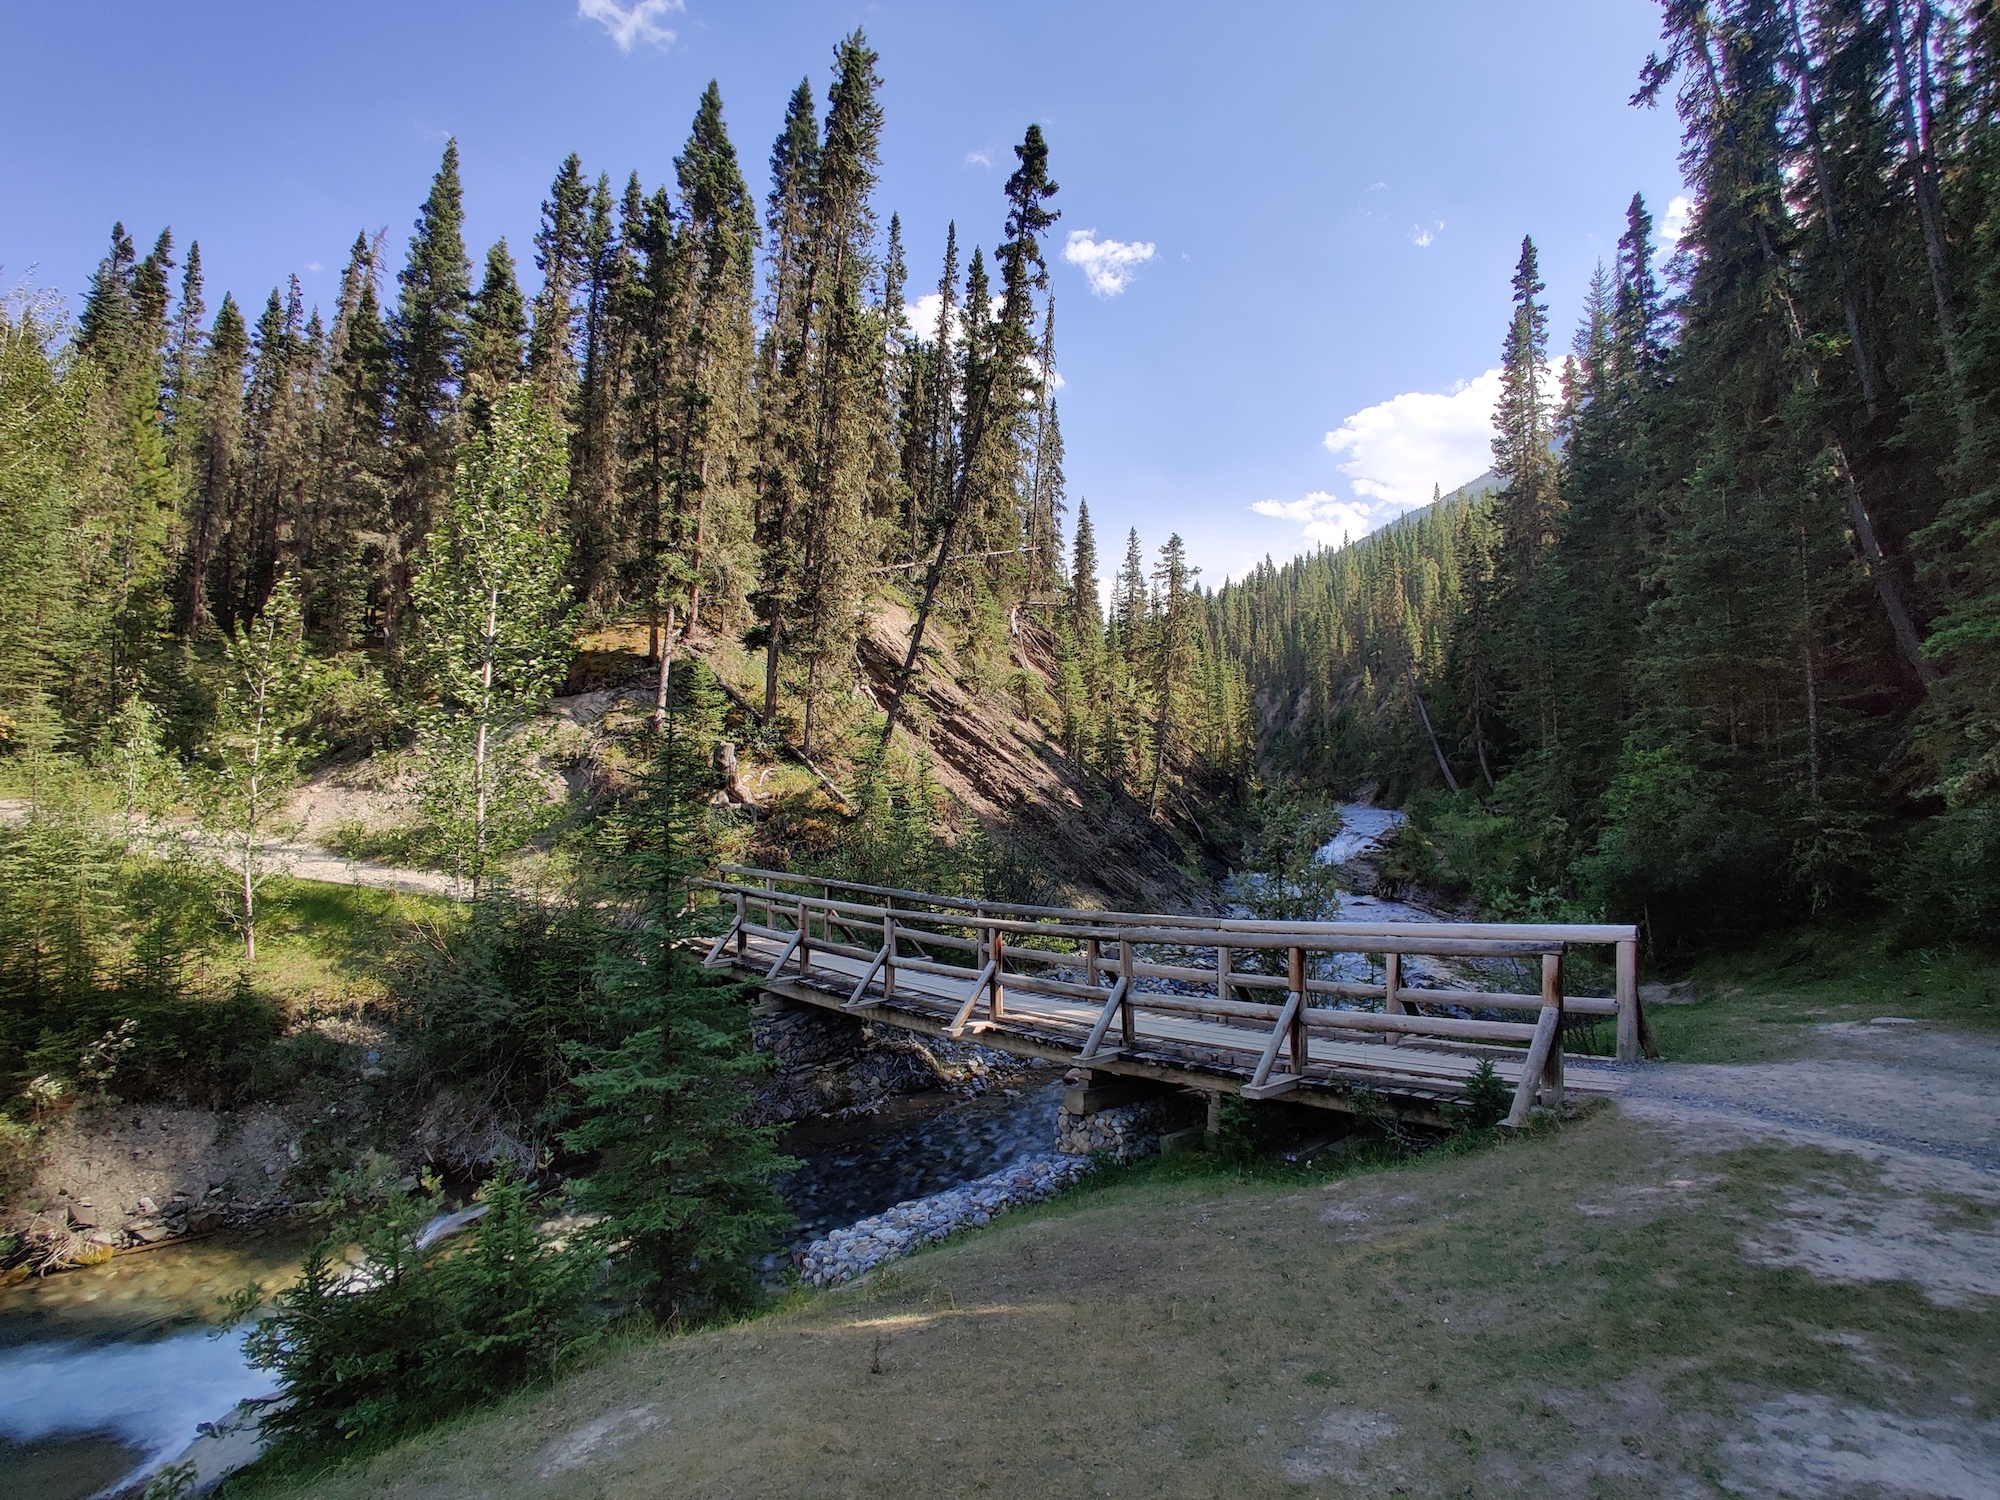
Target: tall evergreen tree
<point>561,257</point>
<point>426,361</point>
<point>496,338</point>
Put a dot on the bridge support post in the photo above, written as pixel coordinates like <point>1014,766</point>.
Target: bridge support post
<point>1211,1134</point>
<point>1552,999</point>
<point>1224,960</point>
<point>1392,984</point>
<point>888,958</point>
<point>1299,1042</point>
<point>1629,1019</point>
<point>997,1000</point>
<point>1125,1025</point>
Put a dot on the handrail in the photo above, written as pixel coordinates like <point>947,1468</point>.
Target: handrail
<point>1561,932</point>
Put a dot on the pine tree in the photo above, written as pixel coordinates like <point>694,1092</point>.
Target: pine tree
<point>426,354</point>
<point>1086,614</point>
<point>1174,657</point>
<point>343,557</point>
<point>217,462</point>
<point>722,246</point>
<point>597,546</point>
<point>496,335</point>
<point>560,257</point>
<point>999,384</point>
<point>781,373</point>
<point>682,1184</point>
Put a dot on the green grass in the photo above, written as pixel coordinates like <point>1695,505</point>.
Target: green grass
<point>1572,1311</point>
<point>1763,1002</point>
<point>321,945</point>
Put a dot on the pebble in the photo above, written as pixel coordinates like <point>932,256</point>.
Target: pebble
<point>917,1222</point>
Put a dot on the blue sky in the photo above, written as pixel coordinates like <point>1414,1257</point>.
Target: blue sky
<point>1301,218</point>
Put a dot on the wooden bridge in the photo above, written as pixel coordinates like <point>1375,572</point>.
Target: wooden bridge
<point>1261,1008</point>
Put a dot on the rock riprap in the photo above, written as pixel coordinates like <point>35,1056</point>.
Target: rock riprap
<point>911,1225</point>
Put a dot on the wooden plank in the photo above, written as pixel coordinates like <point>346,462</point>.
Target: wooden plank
<point>784,956</point>
<point>1270,1088</point>
<point>1490,1000</point>
<point>1628,1000</point>
<point>1392,983</point>
<point>1547,1030</point>
<point>1541,931</point>
<point>1552,1065</point>
<point>715,953</point>
<point>1127,1022</point>
<point>957,1026</point>
<point>1277,1038</point>
<point>1321,1019</point>
<point>998,1003</point>
<point>854,1001</point>
<point>1093,1044</point>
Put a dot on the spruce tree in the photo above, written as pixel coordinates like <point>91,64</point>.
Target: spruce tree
<point>560,257</point>
<point>781,373</point>
<point>496,338</point>
<point>681,1183</point>
<point>426,356</point>
<point>217,463</point>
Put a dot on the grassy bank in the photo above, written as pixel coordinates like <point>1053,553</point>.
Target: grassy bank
<point>1760,1003</point>
<point>1575,1312</point>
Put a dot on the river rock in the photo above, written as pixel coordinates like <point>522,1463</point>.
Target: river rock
<point>917,1222</point>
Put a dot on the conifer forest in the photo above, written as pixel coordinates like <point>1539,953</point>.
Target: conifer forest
<point>564,571</point>
<point>1714,645</point>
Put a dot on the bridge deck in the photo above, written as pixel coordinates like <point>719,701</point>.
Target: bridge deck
<point>1412,1076</point>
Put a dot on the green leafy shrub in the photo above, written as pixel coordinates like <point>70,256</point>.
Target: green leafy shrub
<point>366,1350</point>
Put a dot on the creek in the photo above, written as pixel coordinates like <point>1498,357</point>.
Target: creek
<point>106,1371</point>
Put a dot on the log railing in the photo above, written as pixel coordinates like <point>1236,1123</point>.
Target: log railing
<point>1000,958</point>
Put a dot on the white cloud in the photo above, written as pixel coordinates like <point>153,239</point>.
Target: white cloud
<point>1422,235</point>
<point>1108,265</point>
<point>638,21</point>
<point>1396,450</point>
<point>979,159</point>
<point>1674,227</point>
<point>1328,518</point>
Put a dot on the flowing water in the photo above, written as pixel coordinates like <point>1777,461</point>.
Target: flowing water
<point>912,1148</point>
<point>105,1372</point>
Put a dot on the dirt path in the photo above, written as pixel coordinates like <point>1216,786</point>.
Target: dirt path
<point>303,861</point>
<point>1917,1092</point>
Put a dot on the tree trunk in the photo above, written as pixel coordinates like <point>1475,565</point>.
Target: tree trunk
<point>1436,749</point>
<point>666,666</point>
<point>1916,110</point>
